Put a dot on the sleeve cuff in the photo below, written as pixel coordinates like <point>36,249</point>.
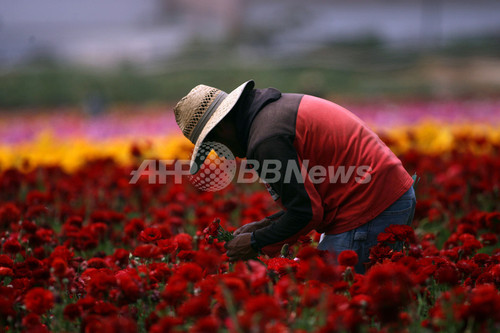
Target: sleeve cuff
<point>253,243</point>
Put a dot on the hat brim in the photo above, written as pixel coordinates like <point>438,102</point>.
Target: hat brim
<point>222,110</point>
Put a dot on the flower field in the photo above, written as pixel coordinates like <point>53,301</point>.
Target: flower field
<point>84,250</point>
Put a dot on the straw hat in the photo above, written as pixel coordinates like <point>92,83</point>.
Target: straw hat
<point>201,110</point>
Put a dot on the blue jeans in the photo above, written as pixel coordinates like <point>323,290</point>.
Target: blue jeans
<point>363,238</point>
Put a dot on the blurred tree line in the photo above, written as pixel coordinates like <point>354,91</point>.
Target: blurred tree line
<point>359,69</point>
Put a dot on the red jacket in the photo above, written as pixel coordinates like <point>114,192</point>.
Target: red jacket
<point>363,177</point>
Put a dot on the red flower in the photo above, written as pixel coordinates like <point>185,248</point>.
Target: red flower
<point>184,255</point>
<point>134,227</point>
<point>184,241</point>
<point>72,311</point>
<point>196,306</point>
<point>348,258</point>
<point>99,228</point>
<point>190,272</point>
<point>167,246</point>
<point>97,263</point>
<point>236,288</point>
<point>282,266</point>
<point>7,296</point>
<point>6,271</point>
<point>495,272</point>
<point>175,290</point>
<point>62,252</point>
<point>33,323</point>
<point>166,325</point>
<point>304,239</point>
<point>385,237</point>
<point>9,213</point>
<point>401,232</point>
<point>311,294</point>
<point>150,235</point>
<point>470,244</point>
<point>208,285</point>
<point>212,230</point>
<point>104,308</point>
<point>447,273</point>
<point>466,228</point>
<point>260,310</point>
<point>379,252</point>
<point>205,325</point>
<point>11,246</point>
<point>101,282</point>
<point>147,251</point>
<point>59,267</point>
<point>109,324</point>
<point>389,285</point>
<point>489,239</point>
<point>159,272</point>
<point>37,211</point>
<point>39,300</point>
<point>308,252</point>
<point>121,256</point>
<point>6,261</point>
<point>484,303</point>
<point>492,221</point>
<point>285,289</point>
<point>208,260</point>
<point>128,281</point>
<point>107,216</point>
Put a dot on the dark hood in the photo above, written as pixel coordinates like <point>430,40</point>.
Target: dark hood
<point>251,104</point>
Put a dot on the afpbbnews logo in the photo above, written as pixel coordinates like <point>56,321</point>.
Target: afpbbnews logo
<point>271,171</point>
<point>219,169</point>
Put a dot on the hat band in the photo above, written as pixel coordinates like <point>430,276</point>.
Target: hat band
<point>206,116</point>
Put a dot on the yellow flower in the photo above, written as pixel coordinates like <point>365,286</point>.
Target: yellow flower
<point>428,137</point>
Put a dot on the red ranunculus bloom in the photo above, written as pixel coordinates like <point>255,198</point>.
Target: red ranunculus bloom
<point>390,286</point>
<point>348,258</point>
<point>9,213</point>
<point>196,306</point>
<point>39,300</point>
<point>190,272</point>
<point>101,282</point>
<point>236,288</point>
<point>147,251</point>
<point>72,311</point>
<point>259,311</point>
<point>489,239</point>
<point>175,290</point>
<point>402,232</point>
<point>7,296</point>
<point>150,235</point>
<point>6,271</point>
<point>184,241</point>
<point>6,261</point>
<point>213,229</point>
<point>11,246</point>
<point>385,237</point>
<point>282,266</point>
<point>207,324</point>
<point>97,263</point>
<point>59,267</point>
<point>484,303</point>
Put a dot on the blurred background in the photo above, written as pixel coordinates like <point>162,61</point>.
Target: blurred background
<point>97,53</point>
<point>99,78</point>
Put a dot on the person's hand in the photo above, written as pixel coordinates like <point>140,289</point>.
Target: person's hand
<point>239,248</point>
<point>252,226</point>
